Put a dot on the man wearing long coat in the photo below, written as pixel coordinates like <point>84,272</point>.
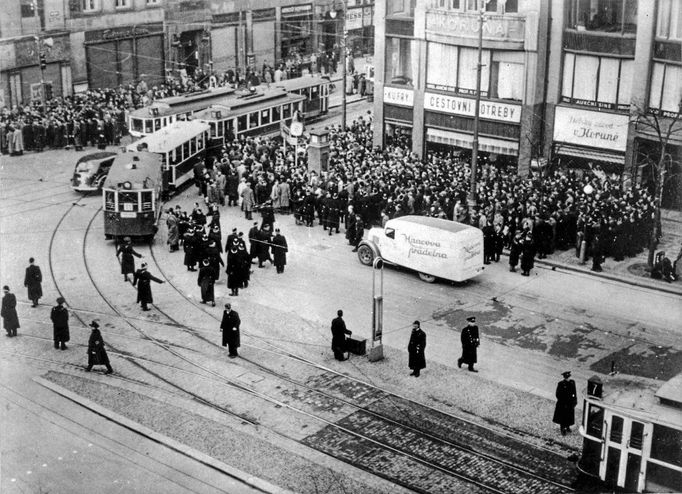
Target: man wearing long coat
<point>97,354</point>
<point>230,328</point>
<point>279,251</point>
<point>234,271</point>
<point>60,324</point>
<point>32,281</point>
<point>470,342</point>
<point>10,319</point>
<point>566,400</point>
<point>173,231</point>
<point>128,256</point>
<point>339,332</point>
<point>415,349</point>
<point>142,280</point>
<point>248,200</point>
<point>206,280</point>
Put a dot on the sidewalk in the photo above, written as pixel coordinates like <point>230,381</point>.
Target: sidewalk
<point>634,270</point>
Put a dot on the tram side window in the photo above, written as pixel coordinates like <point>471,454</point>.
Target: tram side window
<point>148,126</point>
<point>666,445</point>
<point>276,113</point>
<point>147,201</point>
<point>127,201</point>
<point>175,156</point>
<point>595,421</point>
<point>192,146</point>
<point>185,150</point>
<point>265,117</point>
<point>157,124</point>
<point>662,479</point>
<point>137,124</point>
<point>253,120</point>
<point>241,121</point>
<point>200,143</point>
<point>286,111</point>
<point>109,201</point>
<point>214,129</point>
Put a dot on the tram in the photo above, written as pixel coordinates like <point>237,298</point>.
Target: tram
<point>250,113</point>
<point>131,196</point>
<point>180,145</point>
<point>91,171</point>
<point>632,435</point>
<point>316,91</point>
<point>165,111</point>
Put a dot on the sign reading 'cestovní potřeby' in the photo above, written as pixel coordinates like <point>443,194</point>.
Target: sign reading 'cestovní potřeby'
<point>490,110</point>
<point>595,129</point>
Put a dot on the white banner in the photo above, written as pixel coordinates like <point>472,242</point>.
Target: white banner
<point>591,128</point>
<point>490,110</point>
<point>399,96</point>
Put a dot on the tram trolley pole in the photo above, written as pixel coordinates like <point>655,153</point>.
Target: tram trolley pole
<point>376,352</point>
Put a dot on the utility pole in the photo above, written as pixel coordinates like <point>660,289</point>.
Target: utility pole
<point>343,67</point>
<point>474,147</point>
<point>42,59</point>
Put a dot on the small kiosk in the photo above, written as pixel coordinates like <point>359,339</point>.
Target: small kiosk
<point>318,150</point>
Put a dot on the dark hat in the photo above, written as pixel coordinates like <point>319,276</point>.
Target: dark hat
<point>241,234</point>
<point>94,325</point>
<point>60,300</point>
<point>277,230</point>
<point>566,374</point>
<point>5,287</point>
<point>143,266</point>
<point>234,229</point>
<point>471,319</point>
<point>417,323</point>
<point>255,223</point>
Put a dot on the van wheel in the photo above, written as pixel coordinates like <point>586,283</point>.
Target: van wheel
<point>427,277</point>
<point>365,255</point>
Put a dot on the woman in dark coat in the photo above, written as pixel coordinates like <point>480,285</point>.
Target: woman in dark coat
<point>97,355</point>
<point>128,255</point>
<point>567,399</point>
<point>206,280</point>
<point>415,349</point>
<point>144,288</point>
<point>10,319</point>
<point>32,281</point>
<point>60,324</point>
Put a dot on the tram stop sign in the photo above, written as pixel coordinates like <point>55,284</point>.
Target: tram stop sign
<point>296,129</point>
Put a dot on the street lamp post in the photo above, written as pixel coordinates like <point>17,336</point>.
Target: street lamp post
<point>42,58</point>
<point>333,14</point>
<point>474,145</point>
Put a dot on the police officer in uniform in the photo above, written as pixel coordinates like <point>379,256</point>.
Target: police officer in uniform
<point>60,324</point>
<point>415,349</point>
<point>566,400</point>
<point>470,342</point>
<point>230,328</point>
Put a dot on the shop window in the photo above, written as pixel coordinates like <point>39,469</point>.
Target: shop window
<point>597,81</point>
<point>27,7</point>
<point>401,8</point>
<point>611,16</point>
<point>90,5</point>
<point>441,66</point>
<point>666,87</point>
<point>399,61</point>
<point>507,75</point>
<point>466,73</point>
<point>669,25</point>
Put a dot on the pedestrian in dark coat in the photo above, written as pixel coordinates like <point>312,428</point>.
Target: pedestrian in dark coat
<point>243,265</point>
<point>359,232</point>
<point>206,280</point>
<point>97,354</point>
<point>128,255</point>
<point>253,241</point>
<point>527,255</point>
<point>10,319</point>
<point>142,280</point>
<point>263,242</point>
<point>415,349</point>
<point>515,251</point>
<point>32,281</point>
<point>279,251</point>
<point>60,324</point>
<point>234,271</point>
<point>470,342</point>
<point>230,328</point>
<point>566,400</point>
<point>173,231</point>
<point>339,332</point>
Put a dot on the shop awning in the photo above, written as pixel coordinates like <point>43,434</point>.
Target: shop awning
<point>462,140</point>
<point>590,154</point>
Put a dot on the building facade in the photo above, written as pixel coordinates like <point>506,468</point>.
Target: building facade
<point>106,43</point>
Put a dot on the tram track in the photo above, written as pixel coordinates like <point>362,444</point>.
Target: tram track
<point>527,479</point>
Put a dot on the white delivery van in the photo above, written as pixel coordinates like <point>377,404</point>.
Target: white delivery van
<point>433,247</point>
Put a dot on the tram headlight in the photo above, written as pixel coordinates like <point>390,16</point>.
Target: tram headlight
<point>127,185</point>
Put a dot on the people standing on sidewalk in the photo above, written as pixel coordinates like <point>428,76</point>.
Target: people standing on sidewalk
<point>470,343</point>
<point>127,257</point>
<point>142,280</point>
<point>515,251</point>
<point>97,354</point>
<point>339,332</point>
<point>32,281</point>
<point>60,324</point>
<point>566,400</point>
<point>10,319</point>
<point>279,251</point>
<point>527,254</point>
<point>230,328</point>
<point>415,349</point>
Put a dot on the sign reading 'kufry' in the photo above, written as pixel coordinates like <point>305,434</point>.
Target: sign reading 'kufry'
<point>490,110</point>
<point>595,129</point>
<point>398,96</point>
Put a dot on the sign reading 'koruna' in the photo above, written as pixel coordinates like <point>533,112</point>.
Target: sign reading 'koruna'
<point>459,24</point>
<point>594,129</point>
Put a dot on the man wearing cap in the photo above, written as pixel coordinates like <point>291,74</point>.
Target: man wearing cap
<point>97,354</point>
<point>127,252</point>
<point>253,241</point>
<point>230,239</point>
<point>566,400</point>
<point>144,289</point>
<point>10,319</point>
<point>206,280</point>
<point>279,251</point>
<point>32,281</point>
<point>470,342</point>
<point>339,332</point>
<point>230,328</point>
<point>415,349</point>
<point>60,324</point>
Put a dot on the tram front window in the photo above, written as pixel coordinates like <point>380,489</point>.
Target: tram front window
<point>146,201</point>
<point>595,421</point>
<point>149,126</point>
<point>137,124</point>
<point>127,201</point>
<point>109,201</point>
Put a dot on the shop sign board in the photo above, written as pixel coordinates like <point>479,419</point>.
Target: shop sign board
<point>463,25</point>
<point>354,18</point>
<point>297,9</point>
<point>399,96</point>
<point>456,105</point>
<point>602,130</point>
<point>123,32</point>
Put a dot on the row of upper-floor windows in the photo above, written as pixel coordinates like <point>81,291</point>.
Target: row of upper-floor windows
<point>492,6</point>
<point>96,5</point>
